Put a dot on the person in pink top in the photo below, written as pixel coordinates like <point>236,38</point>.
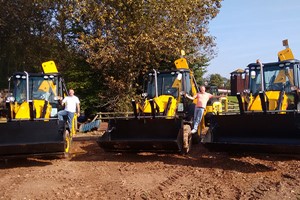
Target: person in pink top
<point>202,99</point>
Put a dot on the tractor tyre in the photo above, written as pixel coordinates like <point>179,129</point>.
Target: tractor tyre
<point>187,139</point>
<point>67,141</point>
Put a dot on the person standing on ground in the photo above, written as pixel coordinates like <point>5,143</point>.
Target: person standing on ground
<point>72,106</point>
<point>202,99</point>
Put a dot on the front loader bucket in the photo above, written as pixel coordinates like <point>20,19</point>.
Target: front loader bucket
<point>21,138</point>
<point>255,132</point>
<point>145,134</point>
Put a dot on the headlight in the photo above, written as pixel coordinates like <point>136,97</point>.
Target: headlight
<point>10,99</point>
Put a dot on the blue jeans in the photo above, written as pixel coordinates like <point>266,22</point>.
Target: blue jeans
<point>198,114</point>
<point>70,116</point>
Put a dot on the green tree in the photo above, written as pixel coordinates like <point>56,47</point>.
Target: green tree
<point>124,39</point>
<point>219,81</point>
<point>34,31</point>
<point>103,48</point>
<point>199,70</point>
<point>22,26</point>
<point>31,33</point>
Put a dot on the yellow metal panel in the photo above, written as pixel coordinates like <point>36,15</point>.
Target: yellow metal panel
<point>273,97</point>
<point>162,102</point>
<point>49,67</point>
<point>280,77</point>
<point>209,109</point>
<point>177,84</point>
<point>23,111</point>
<point>48,111</point>
<point>286,54</point>
<point>38,106</point>
<point>181,63</point>
<point>46,85</point>
<point>173,108</point>
<point>147,107</point>
<point>256,104</point>
<point>74,125</point>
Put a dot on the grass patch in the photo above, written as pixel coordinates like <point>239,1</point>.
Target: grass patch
<point>232,99</point>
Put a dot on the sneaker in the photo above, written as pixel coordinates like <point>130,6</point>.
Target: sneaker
<point>193,131</point>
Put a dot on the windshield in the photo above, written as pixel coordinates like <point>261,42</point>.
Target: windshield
<point>164,84</point>
<point>43,88</point>
<point>19,91</point>
<point>276,78</point>
<point>40,88</point>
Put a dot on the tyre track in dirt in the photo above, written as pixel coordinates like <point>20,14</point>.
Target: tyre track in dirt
<point>91,173</point>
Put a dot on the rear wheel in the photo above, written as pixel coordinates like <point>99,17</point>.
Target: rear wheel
<point>187,138</point>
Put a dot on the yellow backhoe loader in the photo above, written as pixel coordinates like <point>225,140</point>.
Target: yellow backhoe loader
<point>269,118</point>
<point>162,122</point>
<point>30,125</point>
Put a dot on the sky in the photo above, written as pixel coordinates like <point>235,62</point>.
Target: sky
<point>247,30</point>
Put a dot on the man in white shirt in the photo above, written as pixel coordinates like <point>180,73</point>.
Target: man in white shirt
<point>72,106</point>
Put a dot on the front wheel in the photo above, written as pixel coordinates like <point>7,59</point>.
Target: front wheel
<point>67,141</point>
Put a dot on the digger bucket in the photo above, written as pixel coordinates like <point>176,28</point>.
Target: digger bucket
<point>256,132</point>
<point>19,138</point>
<point>145,134</point>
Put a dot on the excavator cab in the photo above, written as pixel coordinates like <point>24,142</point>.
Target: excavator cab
<point>279,86</point>
<point>164,84</point>
<point>31,125</point>
<point>39,89</point>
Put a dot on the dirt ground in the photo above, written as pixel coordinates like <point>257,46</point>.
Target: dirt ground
<point>91,173</point>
